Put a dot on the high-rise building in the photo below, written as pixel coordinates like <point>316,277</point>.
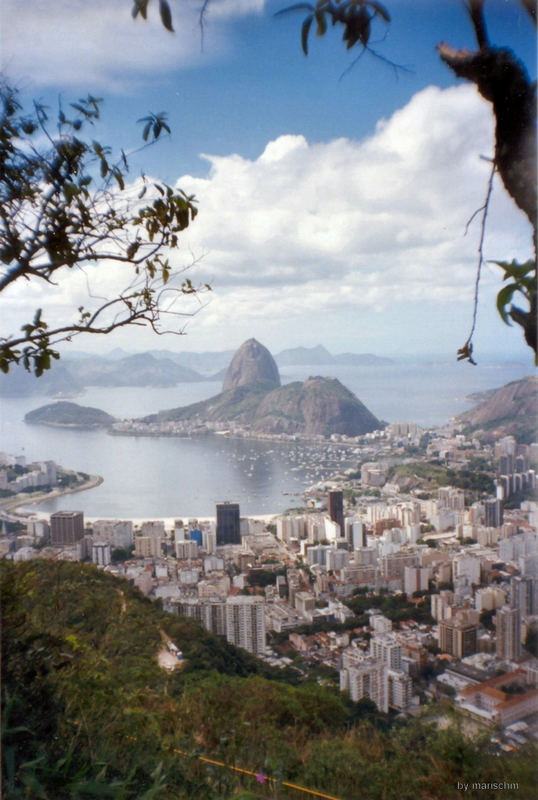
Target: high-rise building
<point>66,528</point>
<point>387,649</point>
<point>458,638</point>
<point>228,524</point>
<point>245,622</point>
<point>524,595</point>
<point>494,513</point>
<point>508,623</point>
<point>336,509</point>
<point>101,553</point>
<point>416,579</point>
<point>356,533</point>
<point>366,679</point>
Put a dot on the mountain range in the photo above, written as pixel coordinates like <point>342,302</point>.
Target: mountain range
<point>155,368</point>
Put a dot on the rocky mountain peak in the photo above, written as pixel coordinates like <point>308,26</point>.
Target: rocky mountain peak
<point>251,364</point>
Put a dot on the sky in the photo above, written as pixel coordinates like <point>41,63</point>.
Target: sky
<point>333,197</point>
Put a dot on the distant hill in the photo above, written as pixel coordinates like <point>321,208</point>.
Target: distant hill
<point>71,376</point>
<point>253,398</point>
<point>510,410</point>
<point>69,415</point>
<point>313,356</point>
<point>307,356</point>
<point>142,369</point>
<point>20,383</point>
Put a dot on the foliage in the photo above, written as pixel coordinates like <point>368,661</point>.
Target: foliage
<point>397,607</point>
<point>65,205</point>
<point>355,16</point>
<point>89,713</point>
<point>486,619</point>
<point>531,639</point>
<point>514,500</point>
<point>432,474</point>
<point>263,578</point>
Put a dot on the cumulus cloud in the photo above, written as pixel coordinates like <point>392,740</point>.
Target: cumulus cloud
<point>97,43</point>
<point>310,234</point>
<point>357,223</point>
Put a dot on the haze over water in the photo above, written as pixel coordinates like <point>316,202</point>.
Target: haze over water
<point>167,477</point>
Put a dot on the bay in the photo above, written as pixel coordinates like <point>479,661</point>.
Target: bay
<point>167,477</point>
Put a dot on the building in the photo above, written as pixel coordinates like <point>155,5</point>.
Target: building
<point>119,533</point>
<point>489,599</point>
<point>502,700</point>
<point>101,553</point>
<point>416,579</point>
<point>458,637</point>
<point>494,513</point>
<point>387,649</point>
<point>228,524</point>
<point>399,689</point>
<point>336,509</point>
<point>356,533</point>
<point>245,622</point>
<point>524,595</point>
<point>66,528</point>
<point>508,623</point>
<point>366,678</point>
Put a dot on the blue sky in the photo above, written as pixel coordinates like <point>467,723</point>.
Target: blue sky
<point>332,205</point>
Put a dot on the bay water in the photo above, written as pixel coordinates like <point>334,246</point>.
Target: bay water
<point>151,478</point>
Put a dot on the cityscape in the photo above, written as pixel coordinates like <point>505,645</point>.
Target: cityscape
<point>403,596</point>
<point>269,407</point>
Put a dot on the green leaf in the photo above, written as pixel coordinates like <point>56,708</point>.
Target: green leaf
<point>132,249</point>
<point>503,298</point>
<point>321,23</point>
<point>516,270</point>
<point>146,131</point>
<point>166,15</point>
<point>140,7</point>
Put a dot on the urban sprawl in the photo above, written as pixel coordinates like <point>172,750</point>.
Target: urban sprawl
<point>406,594</point>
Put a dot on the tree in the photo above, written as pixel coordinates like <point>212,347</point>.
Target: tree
<point>66,206</point>
<point>499,77</point>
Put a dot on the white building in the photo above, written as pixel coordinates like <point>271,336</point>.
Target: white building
<point>101,553</point>
<point>245,623</point>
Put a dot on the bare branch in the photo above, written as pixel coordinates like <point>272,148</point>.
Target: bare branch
<point>467,349</point>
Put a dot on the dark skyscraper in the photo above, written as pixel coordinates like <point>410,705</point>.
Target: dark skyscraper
<point>336,509</point>
<point>494,513</point>
<point>66,527</point>
<point>228,526</point>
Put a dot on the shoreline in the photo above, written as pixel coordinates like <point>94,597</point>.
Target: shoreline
<point>11,506</point>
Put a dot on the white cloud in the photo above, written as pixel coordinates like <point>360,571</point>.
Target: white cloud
<point>98,44</point>
<point>362,224</point>
<point>320,237</point>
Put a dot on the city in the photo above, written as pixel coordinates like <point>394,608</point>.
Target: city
<point>396,594</point>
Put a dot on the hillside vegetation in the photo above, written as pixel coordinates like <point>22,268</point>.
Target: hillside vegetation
<point>64,414</point>
<point>88,712</point>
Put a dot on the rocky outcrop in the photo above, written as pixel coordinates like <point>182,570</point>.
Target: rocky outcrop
<point>512,409</point>
<point>319,406</point>
<point>251,364</point>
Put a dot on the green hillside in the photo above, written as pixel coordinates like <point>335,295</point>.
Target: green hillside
<point>88,712</point>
